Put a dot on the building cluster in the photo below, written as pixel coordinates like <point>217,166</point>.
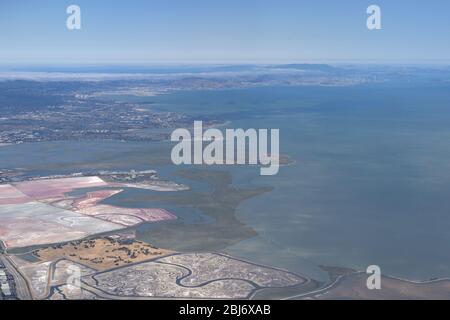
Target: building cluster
<point>7,284</point>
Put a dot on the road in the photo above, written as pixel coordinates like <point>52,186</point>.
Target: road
<point>22,288</point>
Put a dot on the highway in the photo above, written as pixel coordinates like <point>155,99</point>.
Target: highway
<point>22,288</point>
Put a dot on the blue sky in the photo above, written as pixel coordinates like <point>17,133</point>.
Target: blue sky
<point>227,31</point>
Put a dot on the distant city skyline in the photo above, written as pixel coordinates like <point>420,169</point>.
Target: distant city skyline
<point>223,32</point>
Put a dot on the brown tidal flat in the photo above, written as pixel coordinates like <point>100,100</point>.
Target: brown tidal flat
<point>354,286</point>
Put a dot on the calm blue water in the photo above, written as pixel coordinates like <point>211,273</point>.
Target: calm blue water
<point>372,180</point>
